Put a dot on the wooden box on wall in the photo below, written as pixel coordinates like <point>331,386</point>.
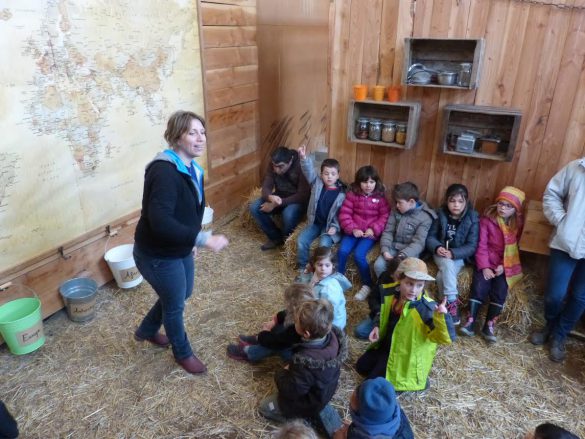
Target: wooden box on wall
<point>439,55</point>
<point>400,112</point>
<point>483,122</point>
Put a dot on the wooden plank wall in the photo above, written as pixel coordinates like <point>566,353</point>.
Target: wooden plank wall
<point>533,60</point>
<point>293,47</point>
<point>230,81</point>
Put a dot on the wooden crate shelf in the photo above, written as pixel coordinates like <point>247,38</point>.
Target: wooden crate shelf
<point>486,121</point>
<point>443,55</point>
<point>400,112</point>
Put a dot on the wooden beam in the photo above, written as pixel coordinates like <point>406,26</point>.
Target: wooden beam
<point>226,97</point>
<point>230,77</point>
<point>213,14</point>
<point>228,36</point>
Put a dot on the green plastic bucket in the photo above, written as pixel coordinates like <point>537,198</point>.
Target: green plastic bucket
<point>21,324</point>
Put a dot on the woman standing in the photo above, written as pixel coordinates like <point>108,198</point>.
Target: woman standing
<point>173,203</point>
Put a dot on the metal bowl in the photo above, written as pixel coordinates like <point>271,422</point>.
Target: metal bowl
<point>447,78</point>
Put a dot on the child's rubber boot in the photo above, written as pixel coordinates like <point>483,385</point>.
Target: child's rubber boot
<point>453,309</point>
<point>488,331</point>
<point>468,329</point>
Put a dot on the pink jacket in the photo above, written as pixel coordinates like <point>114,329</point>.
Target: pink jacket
<point>490,249</point>
<point>363,212</point>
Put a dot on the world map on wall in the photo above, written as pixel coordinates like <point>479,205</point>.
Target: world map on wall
<point>86,88</point>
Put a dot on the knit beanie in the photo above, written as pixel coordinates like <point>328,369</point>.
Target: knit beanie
<point>512,195</point>
<point>377,401</point>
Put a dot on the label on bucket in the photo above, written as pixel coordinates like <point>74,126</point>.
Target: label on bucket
<point>30,335</point>
<point>129,274</point>
<point>81,310</point>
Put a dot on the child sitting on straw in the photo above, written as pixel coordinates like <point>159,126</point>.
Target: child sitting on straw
<point>328,283</point>
<point>278,335</point>
<point>411,326</point>
<point>327,195</point>
<point>375,413</point>
<point>497,259</point>
<point>308,382</point>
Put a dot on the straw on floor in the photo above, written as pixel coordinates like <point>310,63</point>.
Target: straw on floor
<point>93,380</point>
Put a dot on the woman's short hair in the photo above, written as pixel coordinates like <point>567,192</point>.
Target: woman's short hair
<point>178,124</point>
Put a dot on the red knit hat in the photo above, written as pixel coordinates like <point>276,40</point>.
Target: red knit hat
<point>512,195</point>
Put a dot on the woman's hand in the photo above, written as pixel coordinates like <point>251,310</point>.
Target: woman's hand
<point>216,242</point>
<point>358,233</point>
<point>488,273</point>
<point>374,335</point>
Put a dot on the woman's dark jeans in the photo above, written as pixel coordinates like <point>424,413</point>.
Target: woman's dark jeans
<point>172,280</point>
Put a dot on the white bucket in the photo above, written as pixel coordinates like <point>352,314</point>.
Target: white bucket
<point>207,216</point>
<point>122,265</point>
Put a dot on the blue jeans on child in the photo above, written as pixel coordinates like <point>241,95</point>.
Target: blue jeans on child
<point>172,280</point>
<point>447,276</point>
<point>362,329</point>
<point>328,419</point>
<point>564,271</point>
<point>257,353</point>
<point>291,216</point>
<point>306,238</point>
<point>360,247</point>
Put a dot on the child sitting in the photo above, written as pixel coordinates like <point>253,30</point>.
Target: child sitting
<point>411,325</point>
<point>278,335</point>
<point>362,217</point>
<point>307,384</point>
<point>453,239</point>
<point>406,231</point>
<point>387,282</point>
<point>295,430</point>
<point>327,195</point>
<point>375,413</point>
<point>328,283</point>
<point>497,259</point>
<point>550,431</point>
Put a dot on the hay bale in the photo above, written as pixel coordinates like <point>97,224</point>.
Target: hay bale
<point>246,220</point>
<point>516,313</point>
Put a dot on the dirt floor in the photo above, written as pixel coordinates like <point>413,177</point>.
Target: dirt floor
<point>93,380</point>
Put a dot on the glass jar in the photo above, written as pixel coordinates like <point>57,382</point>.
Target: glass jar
<point>401,133</point>
<point>388,131</point>
<point>375,132</point>
<point>464,78</point>
<point>362,128</point>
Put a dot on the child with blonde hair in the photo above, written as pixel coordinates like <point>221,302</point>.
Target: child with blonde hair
<point>497,259</point>
<point>278,335</point>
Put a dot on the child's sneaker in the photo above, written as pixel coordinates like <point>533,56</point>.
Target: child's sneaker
<point>453,310</point>
<point>247,340</point>
<point>468,329</point>
<point>237,352</point>
<point>363,293</point>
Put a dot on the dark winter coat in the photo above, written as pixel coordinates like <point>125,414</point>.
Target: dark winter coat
<point>172,209</point>
<point>281,336</point>
<point>309,383</point>
<point>407,232</point>
<point>363,212</point>
<point>464,243</point>
<point>292,186</point>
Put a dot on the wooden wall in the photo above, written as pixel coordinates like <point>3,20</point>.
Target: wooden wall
<point>230,65</point>
<point>533,61</point>
<point>293,47</point>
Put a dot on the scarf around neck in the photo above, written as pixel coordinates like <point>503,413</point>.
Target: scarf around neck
<point>512,266</point>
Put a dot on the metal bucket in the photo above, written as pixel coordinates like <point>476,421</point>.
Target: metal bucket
<point>79,295</point>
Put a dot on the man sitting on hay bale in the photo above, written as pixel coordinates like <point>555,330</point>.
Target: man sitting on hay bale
<point>285,191</point>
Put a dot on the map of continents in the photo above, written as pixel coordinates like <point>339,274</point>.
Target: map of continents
<point>86,87</point>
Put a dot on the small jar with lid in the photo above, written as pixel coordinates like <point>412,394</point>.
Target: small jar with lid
<point>375,132</point>
<point>464,77</point>
<point>401,133</point>
<point>388,131</point>
<point>362,126</point>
